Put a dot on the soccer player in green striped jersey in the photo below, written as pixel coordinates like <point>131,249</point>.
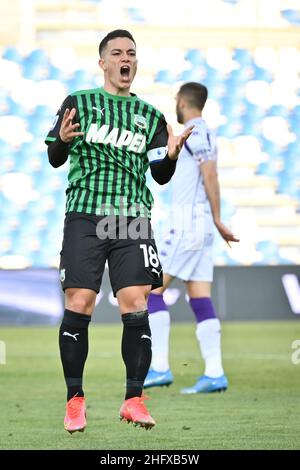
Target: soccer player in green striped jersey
<point>111,138</point>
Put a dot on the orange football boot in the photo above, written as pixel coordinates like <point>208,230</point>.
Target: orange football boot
<point>134,411</point>
<point>75,419</point>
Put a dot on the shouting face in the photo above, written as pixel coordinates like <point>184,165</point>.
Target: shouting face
<point>119,64</point>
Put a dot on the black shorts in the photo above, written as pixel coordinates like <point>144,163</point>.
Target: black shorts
<point>125,242</point>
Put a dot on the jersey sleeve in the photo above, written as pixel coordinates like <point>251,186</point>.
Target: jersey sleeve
<point>54,131</point>
<point>157,148</point>
<point>201,145</point>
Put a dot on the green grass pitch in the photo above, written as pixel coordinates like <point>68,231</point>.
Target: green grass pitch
<point>260,410</point>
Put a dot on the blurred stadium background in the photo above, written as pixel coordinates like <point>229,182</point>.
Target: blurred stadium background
<point>247,52</point>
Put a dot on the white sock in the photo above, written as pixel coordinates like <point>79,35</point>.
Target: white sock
<point>160,331</point>
<point>208,333</point>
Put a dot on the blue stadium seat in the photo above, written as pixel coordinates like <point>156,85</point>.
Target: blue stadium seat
<point>24,242</point>
<point>8,157</point>
<point>296,111</point>
<point>227,209</point>
<point>165,76</point>
<point>220,253</point>
<point>42,111</point>
<point>216,91</point>
<point>262,74</point>
<point>28,164</point>
<point>195,56</point>
<point>35,72</point>
<point>16,109</point>
<point>36,65</point>
<point>231,129</point>
<point>51,239</point>
<point>5,149</point>
<point>271,148</point>
<point>268,168</point>
<point>135,15</point>
<point>292,16</point>
<point>240,76</point>
<point>213,75</point>
<point>293,121</point>
<point>253,111</point>
<point>252,119</point>
<point>269,250</point>
<point>12,53</point>
<point>81,80</point>
<point>55,73</point>
<point>278,110</point>
<point>6,227</point>
<point>289,183</point>
<point>37,56</point>
<point>39,126</point>
<point>232,2</point>
<point>251,127</point>
<point>191,75</point>
<point>242,56</point>
<point>232,108</point>
<point>291,157</point>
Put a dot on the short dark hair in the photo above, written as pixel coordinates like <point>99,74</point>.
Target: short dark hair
<point>117,33</point>
<point>195,94</point>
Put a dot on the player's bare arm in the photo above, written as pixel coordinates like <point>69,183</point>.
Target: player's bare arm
<point>212,188</point>
<point>67,129</point>
<point>175,143</point>
<point>225,233</point>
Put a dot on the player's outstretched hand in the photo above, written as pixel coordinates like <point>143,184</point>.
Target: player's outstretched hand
<point>68,129</point>
<point>175,142</point>
<point>225,233</point>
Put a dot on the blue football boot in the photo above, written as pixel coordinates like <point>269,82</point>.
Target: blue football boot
<point>207,385</point>
<point>158,379</point>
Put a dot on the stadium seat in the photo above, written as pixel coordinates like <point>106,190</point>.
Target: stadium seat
<point>238,78</point>
<point>231,129</point>
<point>232,108</point>
<point>165,76</point>
<point>278,110</point>
<point>195,56</point>
<point>36,65</point>
<point>242,56</point>
<point>135,15</point>
<point>269,251</point>
<point>80,80</point>
<point>232,2</point>
<point>55,73</point>
<point>292,16</point>
<point>289,183</point>
<point>15,108</point>
<point>191,75</point>
<point>260,73</point>
<point>13,54</point>
<point>268,168</point>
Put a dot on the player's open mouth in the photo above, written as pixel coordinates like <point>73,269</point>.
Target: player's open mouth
<point>125,71</point>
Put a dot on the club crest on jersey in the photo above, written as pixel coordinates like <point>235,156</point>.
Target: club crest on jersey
<point>140,121</point>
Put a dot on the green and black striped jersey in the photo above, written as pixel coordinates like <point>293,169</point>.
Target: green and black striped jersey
<point>122,135</point>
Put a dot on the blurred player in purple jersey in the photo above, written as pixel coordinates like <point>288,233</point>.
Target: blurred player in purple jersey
<point>187,253</point>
